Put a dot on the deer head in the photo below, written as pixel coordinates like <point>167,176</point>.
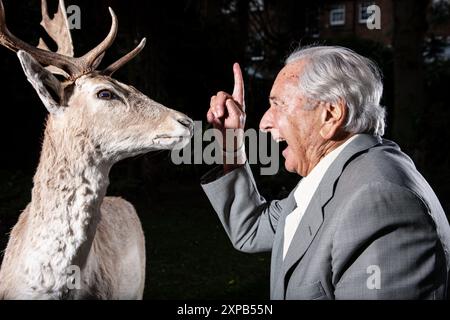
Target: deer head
<point>118,119</point>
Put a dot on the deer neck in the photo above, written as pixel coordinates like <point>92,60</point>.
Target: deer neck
<point>69,186</point>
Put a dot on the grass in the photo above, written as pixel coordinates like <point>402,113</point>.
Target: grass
<point>190,256</point>
<point>188,253</point>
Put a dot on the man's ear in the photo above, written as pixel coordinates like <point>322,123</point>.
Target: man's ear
<point>333,118</point>
<point>47,86</point>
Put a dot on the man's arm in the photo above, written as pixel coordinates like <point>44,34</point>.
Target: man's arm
<point>386,247</point>
<point>249,220</point>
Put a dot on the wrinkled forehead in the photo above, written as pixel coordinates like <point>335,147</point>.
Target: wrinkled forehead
<point>291,72</point>
<point>288,79</point>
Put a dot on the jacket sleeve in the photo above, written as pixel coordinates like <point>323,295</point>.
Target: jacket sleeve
<point>249,220</point>
<point>386,247</point>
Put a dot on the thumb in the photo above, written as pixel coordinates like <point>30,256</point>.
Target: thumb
<point>234,110</point>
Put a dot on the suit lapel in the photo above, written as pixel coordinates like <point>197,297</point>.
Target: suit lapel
<point>305,233</point>
<point>276,287</point>
<point>314,215</point>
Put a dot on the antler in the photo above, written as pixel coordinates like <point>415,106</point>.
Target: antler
<point>58,30</point>
<point>93,58</point>
<point>13,43</point>
<point>122,61</point>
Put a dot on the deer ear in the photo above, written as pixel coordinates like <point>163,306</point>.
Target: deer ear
<point>47,86</point>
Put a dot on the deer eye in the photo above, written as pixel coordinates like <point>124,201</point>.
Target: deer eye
<point>106,95</point>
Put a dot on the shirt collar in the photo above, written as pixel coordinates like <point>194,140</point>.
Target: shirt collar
<point>312,180</point>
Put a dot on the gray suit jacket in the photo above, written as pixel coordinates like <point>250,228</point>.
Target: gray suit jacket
<point>374,229</point>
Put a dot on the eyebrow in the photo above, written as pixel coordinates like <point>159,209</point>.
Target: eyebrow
<point>114,86</point>
<point>275,100</point>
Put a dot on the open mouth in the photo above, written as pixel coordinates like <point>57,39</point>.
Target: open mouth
<point>282,144</point>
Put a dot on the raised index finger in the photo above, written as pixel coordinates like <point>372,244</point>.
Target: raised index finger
<point>238,91</point>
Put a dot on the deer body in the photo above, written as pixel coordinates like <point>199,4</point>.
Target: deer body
<point>69,222</point>
<point>94,122</point>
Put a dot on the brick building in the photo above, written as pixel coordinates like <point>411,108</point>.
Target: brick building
<point>344,18</point>
<point>349,18</point>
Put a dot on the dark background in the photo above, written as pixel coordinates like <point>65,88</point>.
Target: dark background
<point>191,46</point>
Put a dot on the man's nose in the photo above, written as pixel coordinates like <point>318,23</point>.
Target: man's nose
<point>266,123</point>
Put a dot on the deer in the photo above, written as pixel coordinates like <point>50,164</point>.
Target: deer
<point>93,122</point>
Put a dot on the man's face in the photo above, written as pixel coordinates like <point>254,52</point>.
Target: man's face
<point>288,120</point>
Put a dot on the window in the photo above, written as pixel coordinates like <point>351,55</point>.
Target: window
<point>363,14</point>
<point>256,5</point>
<point>229,7</point>
<point>337,15</point>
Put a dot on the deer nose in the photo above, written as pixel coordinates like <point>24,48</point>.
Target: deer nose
<point>186,122</point>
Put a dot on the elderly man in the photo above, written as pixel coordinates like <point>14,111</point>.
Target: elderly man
<point>362,223</point>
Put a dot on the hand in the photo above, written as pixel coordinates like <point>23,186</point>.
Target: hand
<point>228,112</point>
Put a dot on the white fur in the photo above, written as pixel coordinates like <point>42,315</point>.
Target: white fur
<point>69,221</point>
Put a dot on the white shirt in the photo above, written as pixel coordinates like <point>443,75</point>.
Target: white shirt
<point>305,191</point>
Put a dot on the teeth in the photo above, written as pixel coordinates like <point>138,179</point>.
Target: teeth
<point>278,140</point>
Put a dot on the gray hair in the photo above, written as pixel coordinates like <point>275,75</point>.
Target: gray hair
<point>332,73</point>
